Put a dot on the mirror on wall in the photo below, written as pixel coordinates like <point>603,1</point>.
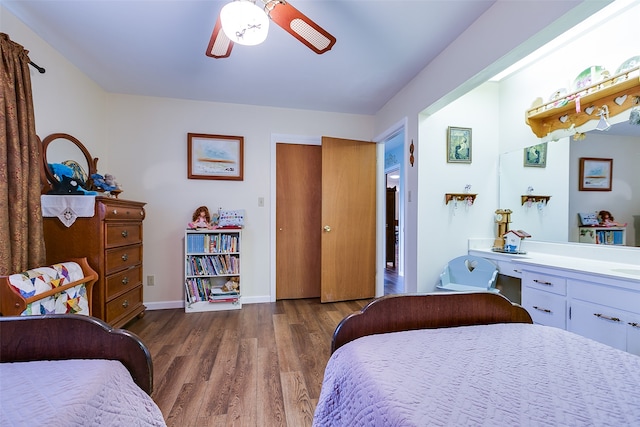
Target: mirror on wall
<point>557,220</point>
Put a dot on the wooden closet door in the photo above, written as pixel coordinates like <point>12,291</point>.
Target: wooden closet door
<point>348,219</point>
<point>298,225</point>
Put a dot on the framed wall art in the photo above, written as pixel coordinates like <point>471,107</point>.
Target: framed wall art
<point>458,145</point>
<point>595,174</point>
<point>215,157</point>
<point>536,156</point>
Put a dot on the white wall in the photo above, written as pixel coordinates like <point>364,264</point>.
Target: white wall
<point>148,146</point>
<point>507,32</point>
<point>443,229</point>
<point>623,201</point>
<point>143,142</point>
<point>494,41</point>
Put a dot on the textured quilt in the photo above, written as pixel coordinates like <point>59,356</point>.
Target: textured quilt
<point>73,393</point>
<point>492,375</point>
<point>38,280</point>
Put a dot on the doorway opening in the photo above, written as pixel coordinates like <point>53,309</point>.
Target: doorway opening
<point>394,209</point>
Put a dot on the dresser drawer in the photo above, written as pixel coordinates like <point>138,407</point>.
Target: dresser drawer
<point>545,308</point>
<point>123,234</point>
<point>545,282</point>
<point>121,258</point>
<point>123,304</point>
<point>117,212</point>
<point>508,268</point>
<point>603,295</point>
<point>123,281</point>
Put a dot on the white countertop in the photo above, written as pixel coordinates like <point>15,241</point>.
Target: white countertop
<point>618,263</point>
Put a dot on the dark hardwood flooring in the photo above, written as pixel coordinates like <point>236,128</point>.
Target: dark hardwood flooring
<point>259,366</point>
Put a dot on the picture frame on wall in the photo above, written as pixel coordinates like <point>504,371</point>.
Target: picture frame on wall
<point>595,174</point>
<point>535,156</point>
<point>458,145</point>
<point>215,157</point>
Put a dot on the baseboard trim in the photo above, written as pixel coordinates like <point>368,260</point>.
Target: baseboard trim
<point>167,305</point>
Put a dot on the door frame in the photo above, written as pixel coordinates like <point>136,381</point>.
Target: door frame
<point>380,198</point>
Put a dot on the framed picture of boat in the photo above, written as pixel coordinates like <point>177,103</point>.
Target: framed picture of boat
<point>215,157</point>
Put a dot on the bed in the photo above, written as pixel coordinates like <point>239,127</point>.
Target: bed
<point>470,359</point>
<point>72,370</point>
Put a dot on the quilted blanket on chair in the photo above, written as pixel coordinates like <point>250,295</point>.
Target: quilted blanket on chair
<point>38,280</point>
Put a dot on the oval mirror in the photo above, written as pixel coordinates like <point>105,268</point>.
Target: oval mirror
<point>67,150</point>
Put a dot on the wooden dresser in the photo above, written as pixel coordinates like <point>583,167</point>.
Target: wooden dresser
<point>112,242</point>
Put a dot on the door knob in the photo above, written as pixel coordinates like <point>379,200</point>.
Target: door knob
<point>326,228</point>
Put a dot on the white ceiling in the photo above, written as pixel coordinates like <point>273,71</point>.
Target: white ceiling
<point>157,48</point>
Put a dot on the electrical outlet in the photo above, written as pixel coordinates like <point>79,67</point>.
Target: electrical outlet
<point>151,280</point>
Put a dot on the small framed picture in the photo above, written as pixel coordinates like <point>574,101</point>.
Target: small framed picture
<point>536,156</point>
<point>215,157</point>
<point>458,145</point>
<point>595,174</point>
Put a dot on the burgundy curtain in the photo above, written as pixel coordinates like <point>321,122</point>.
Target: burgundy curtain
<point>21,232</point>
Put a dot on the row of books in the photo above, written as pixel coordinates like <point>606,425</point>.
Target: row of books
<point>212,265</point>
<point>212,243</point>
<point>610,237</point>
<point>201,289</point>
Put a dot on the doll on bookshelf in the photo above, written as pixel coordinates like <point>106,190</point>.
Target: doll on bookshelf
<point>200,219</point>
<point>606,220</point>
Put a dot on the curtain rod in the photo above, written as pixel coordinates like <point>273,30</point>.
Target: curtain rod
<point>37,67</point>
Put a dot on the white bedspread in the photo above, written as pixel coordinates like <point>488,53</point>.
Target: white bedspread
<point>493,375</point>
<point>73,393</point>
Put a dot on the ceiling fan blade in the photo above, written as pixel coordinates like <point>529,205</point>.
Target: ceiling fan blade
<point>219,45</point>
<point>300,26</point>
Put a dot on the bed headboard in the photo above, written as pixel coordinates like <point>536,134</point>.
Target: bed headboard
<point>394,313</point>
<point>69,336</point>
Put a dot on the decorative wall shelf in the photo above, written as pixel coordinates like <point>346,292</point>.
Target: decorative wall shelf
<point>620,92</point>
<point>534,199</point>
<point>460,197</point>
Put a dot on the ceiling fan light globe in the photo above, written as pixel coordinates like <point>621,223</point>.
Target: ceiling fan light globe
<point>244,22</point>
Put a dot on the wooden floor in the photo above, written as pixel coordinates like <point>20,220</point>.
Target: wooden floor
<point>259,366</point>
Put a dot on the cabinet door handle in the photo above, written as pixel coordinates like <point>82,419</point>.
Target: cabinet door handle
<point>125,280</point>
<point>545,310</point>
<point>125,304</point>
<point>125,257</point>
<point>125,233</point>
<point>602,316</point>
<point>634,324</point>
<point>543,282</point>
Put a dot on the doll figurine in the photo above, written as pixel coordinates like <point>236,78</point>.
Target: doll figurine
<point>200,218</point>
<point>606,219</point>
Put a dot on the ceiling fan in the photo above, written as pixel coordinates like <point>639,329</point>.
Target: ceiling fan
<point>244,22</point>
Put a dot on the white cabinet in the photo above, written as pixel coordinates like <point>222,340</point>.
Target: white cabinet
<point>607,314</point>
<point>212,270</point>
<point>544,297</point>
<point>598,307</point>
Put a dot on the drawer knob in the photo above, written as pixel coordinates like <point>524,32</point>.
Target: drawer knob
<point>125,257</point>
<point>543,282</point>
<point>115,212</point>
<point>125,280</point>
<point>602,316</point>
<point>125,304</point>
<point>141,213</point>
<point>125,233</point>
<point>544,310</point>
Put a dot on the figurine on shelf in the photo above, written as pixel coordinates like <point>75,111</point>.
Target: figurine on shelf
<point>200,219</point>
<point>606,220</point>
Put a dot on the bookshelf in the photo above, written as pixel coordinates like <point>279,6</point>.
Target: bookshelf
<point>212,270</point>
<point>603,235</point>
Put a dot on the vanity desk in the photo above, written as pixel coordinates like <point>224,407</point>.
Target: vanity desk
<point>586,289</point>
